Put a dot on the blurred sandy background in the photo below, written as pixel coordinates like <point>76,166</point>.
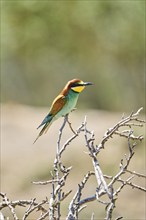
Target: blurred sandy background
<point>43,45</point>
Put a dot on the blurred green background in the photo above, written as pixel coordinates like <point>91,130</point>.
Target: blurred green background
<point>46,43</point>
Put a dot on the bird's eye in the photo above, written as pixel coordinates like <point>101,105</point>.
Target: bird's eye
<point>74,85</point>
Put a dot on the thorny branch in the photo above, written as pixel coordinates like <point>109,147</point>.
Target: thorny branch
<point>106,185</point>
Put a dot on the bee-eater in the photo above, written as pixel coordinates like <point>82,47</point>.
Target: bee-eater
<point>63,104</point>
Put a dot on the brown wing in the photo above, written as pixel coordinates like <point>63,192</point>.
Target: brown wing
<point>57,104</point>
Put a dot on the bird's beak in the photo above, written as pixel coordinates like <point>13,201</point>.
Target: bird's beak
<point>87,83</point>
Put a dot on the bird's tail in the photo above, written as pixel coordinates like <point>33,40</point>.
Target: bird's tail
<point>44,130</point>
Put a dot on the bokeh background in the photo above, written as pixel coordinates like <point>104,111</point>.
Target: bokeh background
<point>43,45</point>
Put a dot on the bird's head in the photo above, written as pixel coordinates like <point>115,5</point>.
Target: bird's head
<point>76,85</point>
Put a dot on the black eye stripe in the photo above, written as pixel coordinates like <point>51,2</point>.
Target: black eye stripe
<point>76,84</point>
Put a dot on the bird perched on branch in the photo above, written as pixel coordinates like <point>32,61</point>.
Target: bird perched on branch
<point>63,104</point>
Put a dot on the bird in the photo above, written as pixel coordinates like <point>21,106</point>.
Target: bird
<point>63,104</point>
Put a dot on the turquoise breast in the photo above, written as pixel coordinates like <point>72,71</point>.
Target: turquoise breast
<point>72,99</point>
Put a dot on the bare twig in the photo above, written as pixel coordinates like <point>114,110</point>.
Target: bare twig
<point>75,204</point>
<point>134,186</point>
<point>45,182</point>
<point>71,139</point>
<point>102,185</point>
<point>124,122</point>
<point>11,207</point>
<point>136,173</point>
<point>33,207</point>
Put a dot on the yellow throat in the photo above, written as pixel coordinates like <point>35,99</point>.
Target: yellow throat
<point>78,88</point>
